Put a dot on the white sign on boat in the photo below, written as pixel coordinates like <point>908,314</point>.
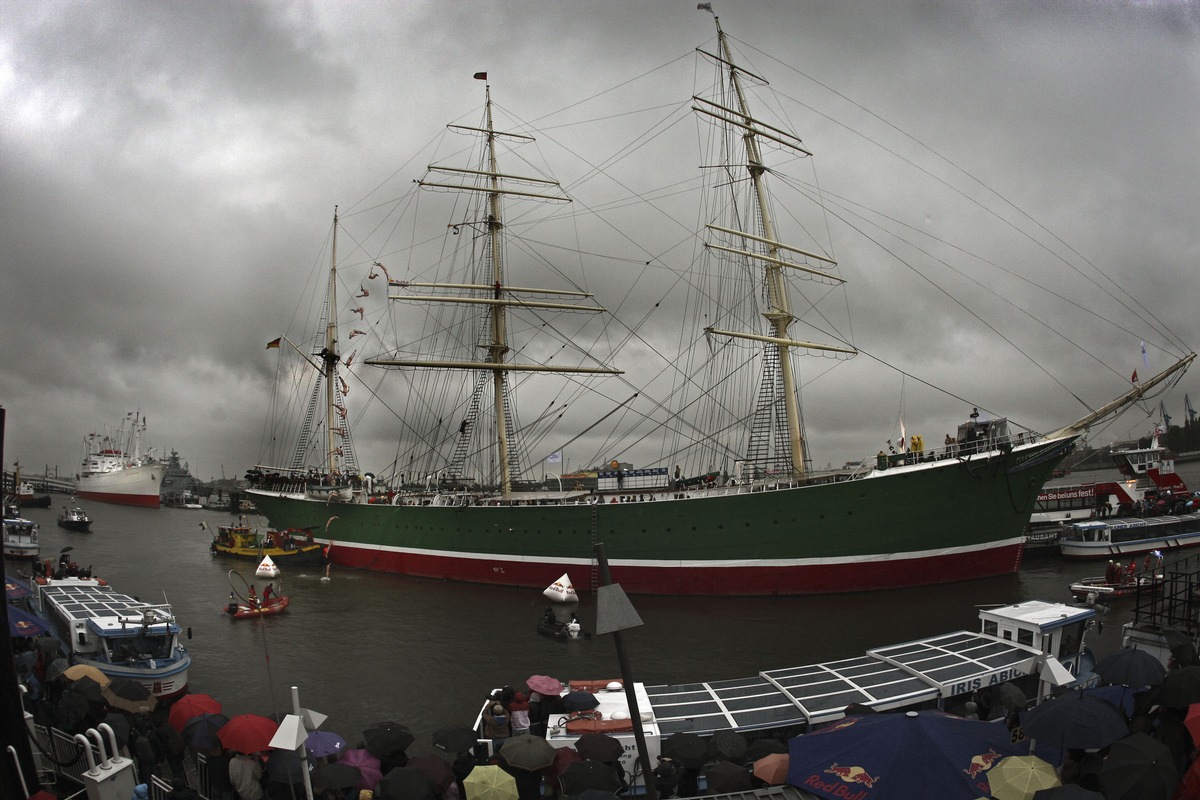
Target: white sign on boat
<point>561,591</point>
<point>267,568</point>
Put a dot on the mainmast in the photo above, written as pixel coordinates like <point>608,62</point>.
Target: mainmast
<point>496,296</point>
<point>767,249</point>
<point>329,356</point>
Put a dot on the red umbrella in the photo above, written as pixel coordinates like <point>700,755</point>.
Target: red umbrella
<point>191,705</point>
<point>248,733</point>
<point>367,764</point>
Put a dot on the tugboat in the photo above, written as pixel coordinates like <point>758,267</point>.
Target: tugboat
<point>294,547</point>
<point>74,519</point>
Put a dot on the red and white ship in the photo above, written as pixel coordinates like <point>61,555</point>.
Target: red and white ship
<point>115,470</point>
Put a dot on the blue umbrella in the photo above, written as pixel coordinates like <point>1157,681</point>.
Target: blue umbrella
<point>23,624</point>
<point>201,730</point>
<point>324,743</point>
<point>899,756</point>
<point>14,589</point>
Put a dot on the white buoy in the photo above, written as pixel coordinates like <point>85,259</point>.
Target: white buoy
<point>267,568</point>
<point>561,591</point>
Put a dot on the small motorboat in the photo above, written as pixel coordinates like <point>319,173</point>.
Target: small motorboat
<point>1121,581</point>
<point>550,625</point>
<point>237,610</point>
<point>74,519</point>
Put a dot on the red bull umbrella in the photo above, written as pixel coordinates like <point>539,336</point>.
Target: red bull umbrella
<point>899,756</point>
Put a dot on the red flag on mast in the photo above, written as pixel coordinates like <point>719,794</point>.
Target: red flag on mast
<point>481,76</point>
<point>1134,378</point>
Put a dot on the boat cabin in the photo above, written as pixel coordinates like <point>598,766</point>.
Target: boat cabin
<point>979,436</point>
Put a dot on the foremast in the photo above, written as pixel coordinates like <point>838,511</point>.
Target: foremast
<point>497,296</point>
<point>769,252</point>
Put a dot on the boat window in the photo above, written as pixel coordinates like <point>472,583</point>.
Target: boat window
<point>1024,636</point>
<point>990,627</point>
<point>1072,640</point>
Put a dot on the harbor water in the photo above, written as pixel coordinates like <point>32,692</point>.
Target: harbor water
<point>366,647</point>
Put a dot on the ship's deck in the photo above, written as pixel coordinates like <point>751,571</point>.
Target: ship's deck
<point>885,678</point>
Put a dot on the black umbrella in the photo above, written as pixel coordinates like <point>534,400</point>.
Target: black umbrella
<point>599,747</point>
<point>129,695</point>
<point>1068,791</point>
<point>455,739</point>
<point>579,701</point>
<point>728,745</point>
<point>1180,687</point>
<point>686,749</point>
<point>436,768</point>
<point>383,740</point>
<point>283,766</point>
<point>1182,647</point>
<point>724,777</point>
<point>201,731</point>
<point>1137,767</point>
<point>1075,720</point>
<point>527,752</point>
<point>1131,667</point>
<point>405,783</point>
<point>336,776</point>
<point>120,725</point>
<point>760,748</point>
<point>581,776</point>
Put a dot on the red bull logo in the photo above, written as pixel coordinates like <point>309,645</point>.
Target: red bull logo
<point>982,763</point>
<point>853,775</point>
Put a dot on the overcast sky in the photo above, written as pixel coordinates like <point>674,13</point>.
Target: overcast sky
<point>168,171</point>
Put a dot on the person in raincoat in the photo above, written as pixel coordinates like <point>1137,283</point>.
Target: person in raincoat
<point>495,726</point>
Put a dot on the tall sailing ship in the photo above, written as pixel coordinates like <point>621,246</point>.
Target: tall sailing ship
<point>751,517</point>
<point>116,470</point>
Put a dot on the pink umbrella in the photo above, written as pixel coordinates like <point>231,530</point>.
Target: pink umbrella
<point>367,764</point>
<point>544,684</point>
<point>772,769</point>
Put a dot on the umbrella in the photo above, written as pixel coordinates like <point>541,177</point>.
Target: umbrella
<point>191,705</point>
<point>579,701</point>
<point>324,743</point>
<point>563,758</point>
<point>1122,697</point>
<point>1192,721</point>
<point>1075,720</point>
<point>1068,791</point>
<point>283,766</point>
<point>437,769</point>
<point>336,776</point>
<point>201,732</point>
<point>405,783</point>
<point>577,778</point>
<point>57,667</point>
<point>1010,696</point>
<point>1182,647</point>
<point>489,782</point>
<point>725,777</point>
<point>120,725</point>
<point>70,710</point>
<point>14,590</point>
<point>1018,777</point>
<point>688,749</point>
<point>1180,687</point>
<point>127,694</point>
<point>89,690</point>
<point>23,624</point>
<point>387,737</point>
<point>527,752</point>
<point>599,747</point>
<point>455,739</point>
<point>763,747</point>
<point>1130,667</point>
<point>1138,766</point>
<point>78,671</point>
<point>772,768</point>
<point>248,733</point>
<point>916,754</point>
<point>544,684</point>
<point>367,765</point>
<point>727,744</point>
